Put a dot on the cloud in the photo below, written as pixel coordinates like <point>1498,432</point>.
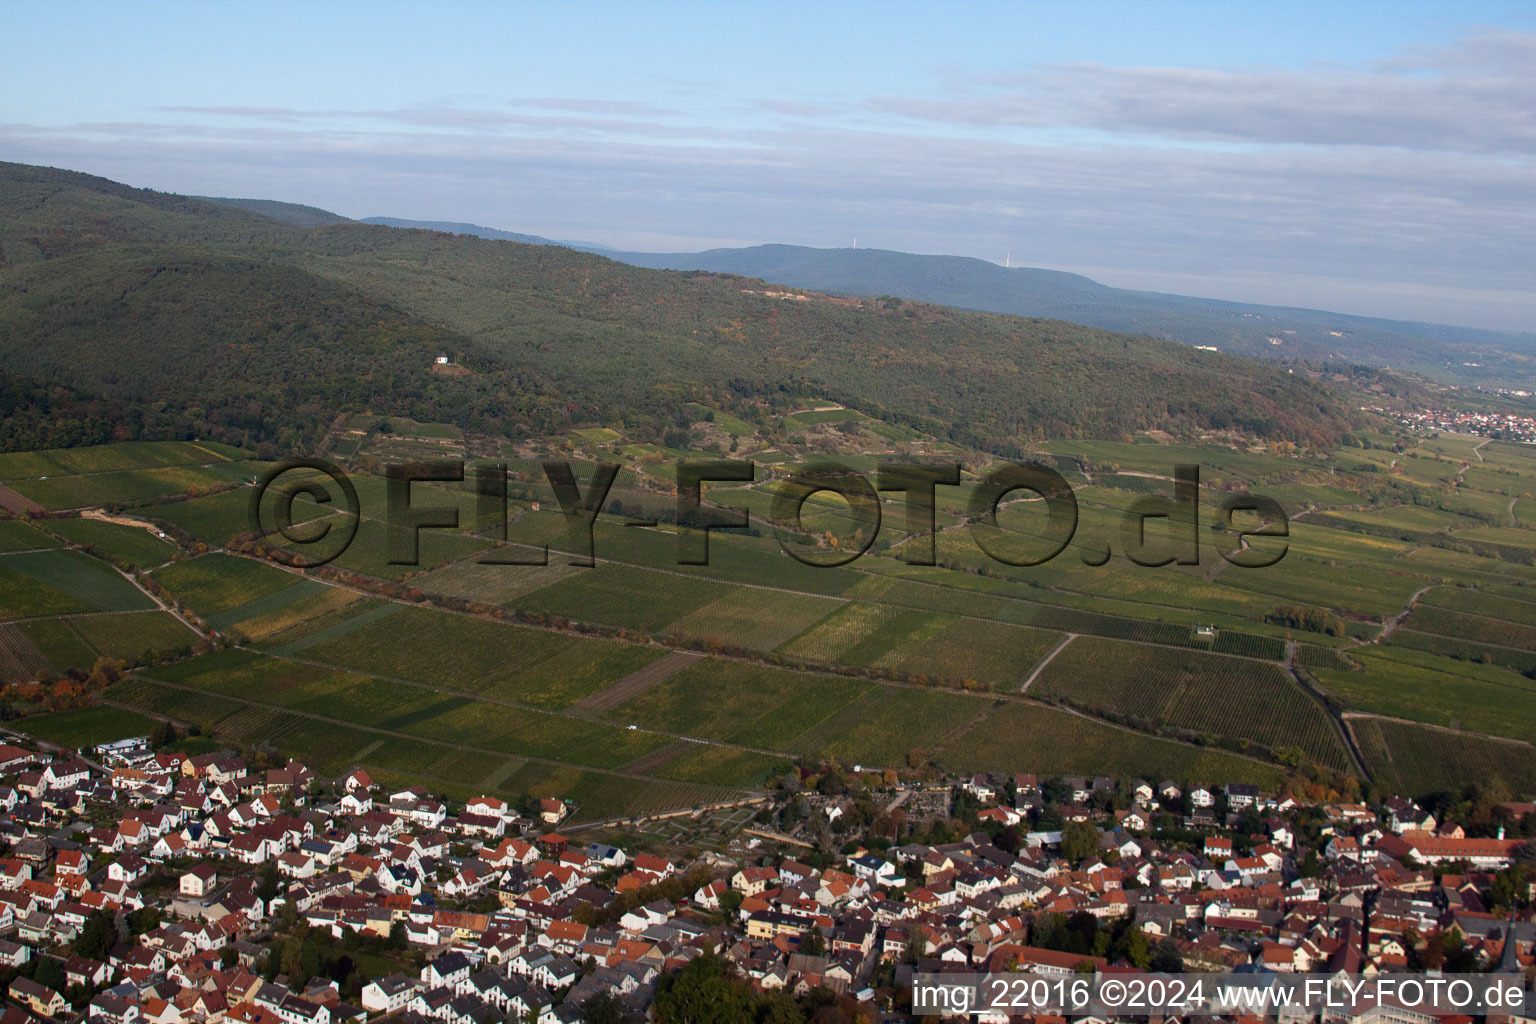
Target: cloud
<point>1409,179</point>
<point>1477,97</point>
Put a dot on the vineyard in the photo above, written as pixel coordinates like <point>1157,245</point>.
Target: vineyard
<point>496,584</point>
<point>128,544</point>
<point>218,583</point>
<point>1514,604</point>
<point>1157,689</point>
<point>91,584</point>
<point>1434,643</point>
<point>1418,760</point>
<point>887,723</point>
<point>752,618</point>
<point>846,628</point>
<point>997,655</point>
<point>1475,628</point>
<point>1027,737</point>
<point>733,702</point>
<point>619,595</point>
<point>20,658</point>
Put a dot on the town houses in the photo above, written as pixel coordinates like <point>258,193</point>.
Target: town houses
<point>175,889</point>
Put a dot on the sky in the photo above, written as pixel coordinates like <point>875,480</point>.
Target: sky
<point>1372,158</point>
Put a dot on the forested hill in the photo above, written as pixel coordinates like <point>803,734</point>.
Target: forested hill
<point>1454,353</point>
<point>157,315</point>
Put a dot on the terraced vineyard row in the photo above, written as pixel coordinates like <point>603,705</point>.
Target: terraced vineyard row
<point>1466,650</point>
<point>1476,628</point>
<point>1515,604</point>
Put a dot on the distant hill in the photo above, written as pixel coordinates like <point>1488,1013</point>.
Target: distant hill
<point>1455,354</point>
<point>1242,328</point>
<point>189,317</point>
<point>456,228</point>
<point>288,213</point>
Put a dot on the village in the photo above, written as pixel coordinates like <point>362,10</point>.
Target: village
<point>156,887</point>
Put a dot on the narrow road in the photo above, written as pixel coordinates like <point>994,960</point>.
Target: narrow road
<point>1046,661</point>
<point>1402,616</point>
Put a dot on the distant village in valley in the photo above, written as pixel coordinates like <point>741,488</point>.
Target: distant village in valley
<point>1499,426</point>
<point>141,884</point>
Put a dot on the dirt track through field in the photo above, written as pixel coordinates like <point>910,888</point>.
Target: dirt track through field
<point>637,683</point>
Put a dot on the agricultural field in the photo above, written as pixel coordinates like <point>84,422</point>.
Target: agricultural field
<point>1506,604</point>
<point>16,535</point>
<point>1477,628</point>
<point>92,490</point>
<point>497,660</point>
<point>106,458</point>
<point>132,636</point>
<point>495,584</point>
<point>24,596</point>
<point>1201,693</point>
<point>748,705</point>
<point>57,582</point>
<point>992,653</point>
<point>216,583</point>
<point>1028,737</point>
<point>130,545</point>
<point>619,595</point>
<point>889,725</point>
<point>89,727</point>
<point>291,608</point>
<point>1405,683</point>
<point>1464,650</point>
<point>466,703</point>
<point>1419,760</point>
<point>752,617</point>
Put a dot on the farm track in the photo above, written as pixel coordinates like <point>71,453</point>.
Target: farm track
<point>395,734</point>
<point>1402,616</point>
<point>1335,719</point>
<point>1047,660</point>
<point>636,683</point>
<point>687,655</point>
<point>1354,716</point>
<point>1013,697</point>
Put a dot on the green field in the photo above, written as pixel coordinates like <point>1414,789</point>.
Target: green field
<point>50,582</point>
<point>133,635</point>
<point>217,583</point>
<point>531,666</point>
<point>752,618</point>
<point>16,535</point>
<point>1417,760</point>
<point>121,488</point>
<point>127,544</point>
<point>998,655</point>
<point>109,457</point>
<point>460,701</point>
<point>619,595</point>
<point>1027,737</point>
<point>1405,683</point>
<point>1477,628</point>
<point>1201,693</point>
<point>89,727</point>
<point>731,702</point>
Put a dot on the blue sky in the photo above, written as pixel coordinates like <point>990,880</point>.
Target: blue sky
<point>1373,158</point>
